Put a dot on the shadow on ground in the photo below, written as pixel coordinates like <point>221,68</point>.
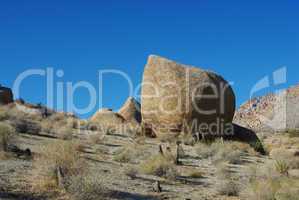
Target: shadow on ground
<point>246,135</point>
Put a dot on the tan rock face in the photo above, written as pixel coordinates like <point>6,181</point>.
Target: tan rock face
<point>175,96</point>
<point>107,117</point>
<point>130,111</point>
<point>6,95</point>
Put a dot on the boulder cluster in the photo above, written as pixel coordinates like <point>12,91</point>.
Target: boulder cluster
<point>176,98</point>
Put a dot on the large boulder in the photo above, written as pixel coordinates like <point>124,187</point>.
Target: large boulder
<point>6,95</point>
<point>177,97</point>
<point>130,111</point>
<point>107,118</point>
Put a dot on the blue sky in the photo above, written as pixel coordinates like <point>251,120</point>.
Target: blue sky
<point>241,40</point>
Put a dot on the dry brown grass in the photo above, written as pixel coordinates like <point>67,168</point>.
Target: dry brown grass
<point>88,186</point>
<point>224,151</point>
<point>3,114</point>
<point>265,182</point>
<point>196,174</point>
<point>272,188</point>
<point>59,125</point>
<point>131,172</point>
<point>159,165</point>
<point>97,138</point>
<point>129,153</point>
<point>285,156</point>
<point>59,154</point>
<point>6,135</point>
<point>227,182</point>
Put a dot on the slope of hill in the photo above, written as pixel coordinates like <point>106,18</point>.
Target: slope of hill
<point>272,112</point>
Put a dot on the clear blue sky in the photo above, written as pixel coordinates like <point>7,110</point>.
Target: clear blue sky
<point>241,40</point>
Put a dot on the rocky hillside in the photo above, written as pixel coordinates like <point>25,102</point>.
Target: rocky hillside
<point>272,112</point>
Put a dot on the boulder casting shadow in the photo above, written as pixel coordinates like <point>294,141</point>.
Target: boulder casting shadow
<point>246,135</point>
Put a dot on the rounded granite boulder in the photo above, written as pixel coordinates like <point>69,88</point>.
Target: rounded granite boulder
<point>177,97</point>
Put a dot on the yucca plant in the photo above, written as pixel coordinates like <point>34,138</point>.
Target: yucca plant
<point>282,167</point>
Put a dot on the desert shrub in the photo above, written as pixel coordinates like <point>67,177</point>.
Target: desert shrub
<point>26,126</point>
<point>272,188</point>
<point>56,155</point>
<point>227,183</point>
<point>286,157</point>
<point>3,156</point>
<point>58,125</point>
<point>131,172</point>
<point>87,186</point>
<point>188,139</point>
<point>228,154</point>
<point>124,157</point>
<point>97,138</point>
<point>64,133</point>
<point>265,182</point>
<point>292,133</point>
<point>220,151</point>
<point>127,154</point>
<point>263,189</point>
<point>196,174</point>
<point>228,186</point>
<point>92,126</point>
<point>3,114</point>
<point>282,167</point>
<point>6,135</point>
<point>289,190</point>
<point>205,150</point>
<point>159,165</point>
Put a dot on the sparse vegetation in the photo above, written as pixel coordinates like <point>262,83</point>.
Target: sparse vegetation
<point>227,184</point>
<point>292,133</point>
<point>127,154</point>
<point>131,172</point>
<point>3,114</point>
<point>97,138</point>
<point>282,167</point>
<point>159,165</point>
<point>58,155</point>
<point>272,188</point>
<point>6,135</point>
<point>226,151</point>
<point>286,157</point>
<point>87,186</point>
<point>269,182</point>
<point>196,174</point>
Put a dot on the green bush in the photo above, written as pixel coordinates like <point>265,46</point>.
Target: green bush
<point>282,167</point>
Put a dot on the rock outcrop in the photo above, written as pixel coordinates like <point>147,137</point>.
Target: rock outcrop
<point>107,117</point>
<point>130,111</point>
<point>175,97</point>
<point>6,95</point>
<point>272,112</point>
